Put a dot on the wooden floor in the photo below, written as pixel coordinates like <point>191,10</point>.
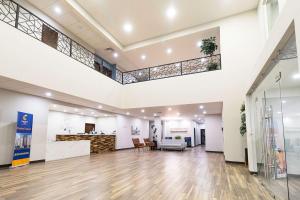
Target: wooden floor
<point>193,174</point>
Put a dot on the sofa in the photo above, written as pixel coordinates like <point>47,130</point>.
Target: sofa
<point>172,144</point>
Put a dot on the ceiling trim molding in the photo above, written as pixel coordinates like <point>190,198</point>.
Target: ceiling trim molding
<point>83,13</point>
<point>202,27</point>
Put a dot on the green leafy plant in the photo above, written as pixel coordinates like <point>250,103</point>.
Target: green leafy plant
<point>209,46</point>
<point>177,137</point>
<point>243,128</point>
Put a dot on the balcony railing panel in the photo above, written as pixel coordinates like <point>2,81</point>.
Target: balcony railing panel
<point>82,55</point>
<point>22,19</point>
<point>8,12</point>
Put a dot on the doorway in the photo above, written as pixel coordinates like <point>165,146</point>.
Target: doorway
<point>203,137</point>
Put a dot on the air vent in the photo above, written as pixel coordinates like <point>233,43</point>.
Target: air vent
<point>109,49</point>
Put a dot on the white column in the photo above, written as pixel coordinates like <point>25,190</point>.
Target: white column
<point>158,126</point>
<point>252,160</point>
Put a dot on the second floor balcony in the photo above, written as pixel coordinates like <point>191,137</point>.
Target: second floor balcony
<point>19,17</point>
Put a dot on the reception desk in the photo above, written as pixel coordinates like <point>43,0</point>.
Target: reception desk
<point>99,143</point>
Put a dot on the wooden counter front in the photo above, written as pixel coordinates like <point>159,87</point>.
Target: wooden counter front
<point>99,143</point>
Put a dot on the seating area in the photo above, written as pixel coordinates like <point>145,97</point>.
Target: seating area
<point>173,144</point>
<point>147,144</point>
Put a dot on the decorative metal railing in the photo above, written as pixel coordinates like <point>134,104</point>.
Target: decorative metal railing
<point>25,21</point>
<point>192,66</point>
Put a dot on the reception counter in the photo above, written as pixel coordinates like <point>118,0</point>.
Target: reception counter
<point>99,143</point>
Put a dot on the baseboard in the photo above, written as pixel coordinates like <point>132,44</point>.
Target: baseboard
<point>38,161</point>
<point>125,149</point>
<point>214,151</point>
<point>234,162</point>
<point>253,173</point>
<point>6,166</point>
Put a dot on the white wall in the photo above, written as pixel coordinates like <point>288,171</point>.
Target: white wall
<point>10,104</point>
<point>124,137</point>
<point>66,123</point>
<point>185,124</point>
<point>213,133</point>
<point>107,125</point>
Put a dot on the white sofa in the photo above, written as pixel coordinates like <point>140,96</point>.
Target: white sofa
<point>172,144</point>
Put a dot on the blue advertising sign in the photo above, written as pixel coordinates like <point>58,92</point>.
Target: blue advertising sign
<point>23,139</point>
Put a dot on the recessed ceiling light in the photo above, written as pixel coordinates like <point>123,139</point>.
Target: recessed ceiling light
<point>128,113</point>
<point>76,110</point>
<point>115,54</point>
<point>195,116</point>
<point>171,12</point>
<point>169,51</point>
<point>145,117</point>
<point>65,110</point>
<point>199,43</point>
<point>140,73</point>
<point>154,114</point>
<point>100,106</point>
<point>92,113</point>
<point>201,107</point>
<point>57,10</point>
<point>54,105</point>
<point>48,94</point>
<point>283,101</point>
<point>142,110</point>
<point>82,113</point>
<point>143,57</point>
<point>169,109</point>
<point>204,112</point>
<point>127,27</point>
<point>279,112</point>
<point>178,113</point>
<point>296,76</point>
<point>105,115</point>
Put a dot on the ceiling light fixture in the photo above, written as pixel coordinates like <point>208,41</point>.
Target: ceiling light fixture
<point>201,107</point>
<point>283,101</point>
<point>199,43</point>
<point>54,105</point>
<point>92,113</point>
<point>169,51</point>
<point>169,109</point>
<point>178,113</point>
<point>128,113</point>
<point>142,110</point>
<point>204,112</point>
<point>57,10</point>
<point>171,12</point>
<point>100,106</point>
<point>65,110</point>
<point>143,57</point>
<point>115,54</point>
<point>296,76</point>
<point>82,113</point>
<point>195,116</point>
<point>154,114</point>
<point>127,27</point>
<point>48,94</point>
<point>76,110</point>
<point>105,115</point>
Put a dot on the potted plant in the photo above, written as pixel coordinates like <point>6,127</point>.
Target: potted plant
<point>178,137</point>
<point>208,48</point>
<point>243,127</point>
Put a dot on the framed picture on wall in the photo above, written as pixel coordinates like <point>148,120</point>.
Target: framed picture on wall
<point>135,130</point>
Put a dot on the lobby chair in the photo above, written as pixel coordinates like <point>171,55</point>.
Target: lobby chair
<point>149,144</point>
<point>137,144</point>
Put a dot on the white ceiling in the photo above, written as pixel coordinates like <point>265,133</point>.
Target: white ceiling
<point>99,23</point>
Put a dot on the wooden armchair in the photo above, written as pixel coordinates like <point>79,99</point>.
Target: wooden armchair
<point>149,143</point>
<point>137,144</point>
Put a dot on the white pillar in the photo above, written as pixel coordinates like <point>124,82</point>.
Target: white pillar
<point>158,126</point>
<point>251,145</point>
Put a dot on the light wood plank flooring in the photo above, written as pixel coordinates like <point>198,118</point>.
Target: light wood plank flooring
<point>193,174</point>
